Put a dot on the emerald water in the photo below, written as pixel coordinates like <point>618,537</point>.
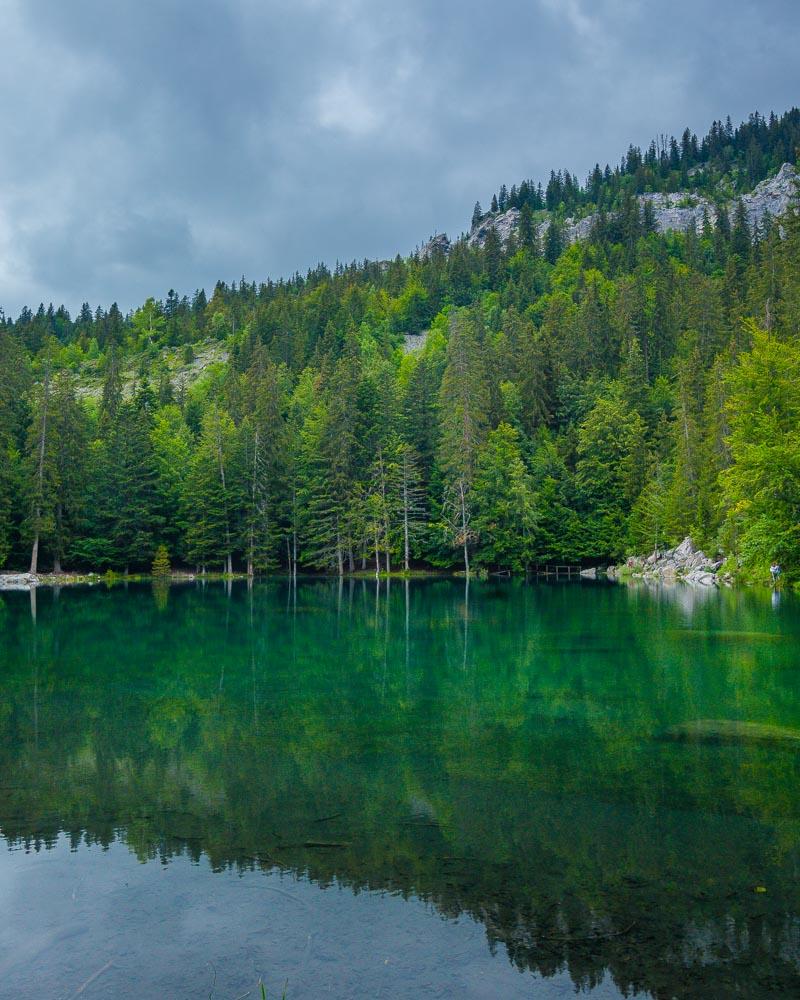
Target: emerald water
<point>399,790</point>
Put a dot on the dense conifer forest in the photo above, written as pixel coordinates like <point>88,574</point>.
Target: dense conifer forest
<point>566,403</point>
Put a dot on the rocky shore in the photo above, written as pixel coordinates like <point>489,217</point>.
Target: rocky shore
<point>684,563</point>
<point>29,581</point>
<point>18,581</point>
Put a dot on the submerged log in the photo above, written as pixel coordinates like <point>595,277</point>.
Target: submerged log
<point>716,731</point>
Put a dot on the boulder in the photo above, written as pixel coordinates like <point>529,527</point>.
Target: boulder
<point>18,581</point>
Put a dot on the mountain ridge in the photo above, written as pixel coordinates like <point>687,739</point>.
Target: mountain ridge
<point>678,211</point>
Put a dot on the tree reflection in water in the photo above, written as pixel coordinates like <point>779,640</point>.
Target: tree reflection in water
<point>496,751</point>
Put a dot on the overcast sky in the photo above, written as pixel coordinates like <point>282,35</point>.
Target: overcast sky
<point>149,144</point>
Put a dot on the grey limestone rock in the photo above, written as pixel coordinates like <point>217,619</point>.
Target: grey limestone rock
<point>674,211</point>
<point>504,224</point>
<point>18,581</point>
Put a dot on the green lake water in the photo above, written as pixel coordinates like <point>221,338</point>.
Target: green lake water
<point>403,790</point>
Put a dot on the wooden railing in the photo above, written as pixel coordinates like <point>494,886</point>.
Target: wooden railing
<point>556,571</point>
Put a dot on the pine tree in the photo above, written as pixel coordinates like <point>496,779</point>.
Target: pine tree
<point>464,404</point>
<point>553,242</point>
<point>41,475</point>
<point>610,471</point>
<point>493,258</point>
<point>70,433</point>
<point>265,459</point>
<point>502,499</point>
<point>684,503</point>
<point>527,230</point>
<point>122,514</point>
<point>761,487</point>
<point>161,566</point>
<point>407,497</point>
<point>211,493</point>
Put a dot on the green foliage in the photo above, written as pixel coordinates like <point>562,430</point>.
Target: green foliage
<point>568,402</point>
<point>503,499</point>
<point>161,564</point>
<point>761,488</point>
<point>610,470</point>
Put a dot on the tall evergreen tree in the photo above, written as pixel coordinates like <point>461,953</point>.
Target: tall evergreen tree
<point>464,404</point>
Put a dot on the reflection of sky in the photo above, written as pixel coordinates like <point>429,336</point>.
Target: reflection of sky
<point>65,916</point>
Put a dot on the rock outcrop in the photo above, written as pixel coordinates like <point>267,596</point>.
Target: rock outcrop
<point>414,341</point>
<point>684,563</point>
<point>677,211</point>
<point>18,581</point>
<point>772,196</point>
<point>436,244</point>
<point>504,224</point>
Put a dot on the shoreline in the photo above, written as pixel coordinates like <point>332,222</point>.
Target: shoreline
<point>32,581</point>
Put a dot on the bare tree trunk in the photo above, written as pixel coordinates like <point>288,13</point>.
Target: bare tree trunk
<point>464,532</point>
<point>339,554</point>
<point>59,534</point>
<point>385,510</point>
<point>35,549</point>
<point>377,556</point>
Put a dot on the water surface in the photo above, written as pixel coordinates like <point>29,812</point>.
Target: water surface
<point>408,790</point>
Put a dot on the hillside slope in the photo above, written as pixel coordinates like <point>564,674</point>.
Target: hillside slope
<point>519,397</point>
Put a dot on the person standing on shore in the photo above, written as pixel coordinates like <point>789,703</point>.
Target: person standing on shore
<point>775,572</point>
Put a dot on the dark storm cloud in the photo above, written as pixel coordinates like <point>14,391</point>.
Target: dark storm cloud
<point>165,144</point>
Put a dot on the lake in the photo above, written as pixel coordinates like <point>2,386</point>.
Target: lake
<point>399,790</point>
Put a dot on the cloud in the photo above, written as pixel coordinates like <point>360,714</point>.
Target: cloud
<point>343,105</point>
<point>160,143</point>
<point>572,10</point>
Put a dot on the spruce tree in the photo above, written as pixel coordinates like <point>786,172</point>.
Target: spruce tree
<point>161,566</point>
<point>464,404</point>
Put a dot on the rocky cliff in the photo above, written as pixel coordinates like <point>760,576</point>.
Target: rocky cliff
<point>678,211</point>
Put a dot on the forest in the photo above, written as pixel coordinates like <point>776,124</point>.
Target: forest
<point>566,403</point>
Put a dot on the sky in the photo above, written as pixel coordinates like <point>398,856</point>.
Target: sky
<point>157,144</point>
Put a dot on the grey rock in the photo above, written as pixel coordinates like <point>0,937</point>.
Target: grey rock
<point>18,581</point>
<point>772,196</point>
<point>436,244</point>
<point>683,563</point>
<point>503,223</point>
<point>414,341</point>
<point>677,211</point>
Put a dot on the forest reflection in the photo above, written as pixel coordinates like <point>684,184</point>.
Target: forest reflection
<point>497,749</point>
